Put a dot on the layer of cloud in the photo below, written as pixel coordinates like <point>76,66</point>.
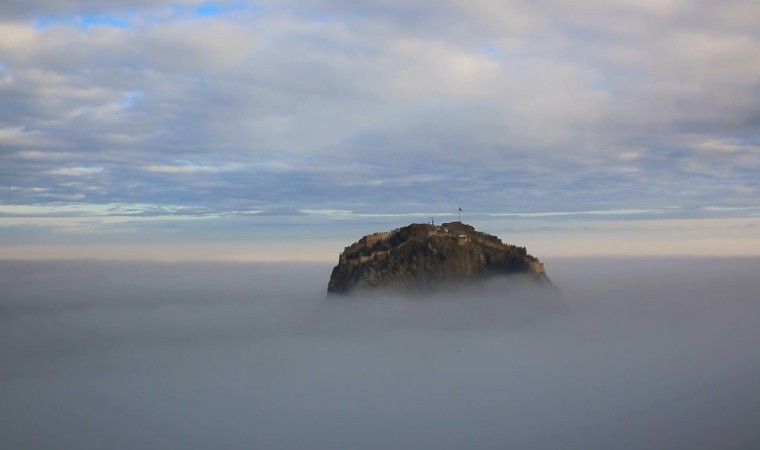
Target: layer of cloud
<point>653,354</point>
<point>381,107</point>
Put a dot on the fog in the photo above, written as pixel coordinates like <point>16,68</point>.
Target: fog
<point>639,353</point>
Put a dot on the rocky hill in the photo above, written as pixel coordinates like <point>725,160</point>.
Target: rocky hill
<point>423,256</point>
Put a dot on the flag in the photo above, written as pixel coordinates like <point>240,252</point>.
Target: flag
<point>460,209</point>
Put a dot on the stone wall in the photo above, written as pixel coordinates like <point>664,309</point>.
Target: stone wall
<point>536,267</point>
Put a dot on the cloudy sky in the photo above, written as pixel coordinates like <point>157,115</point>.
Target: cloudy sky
<point>128,123</point>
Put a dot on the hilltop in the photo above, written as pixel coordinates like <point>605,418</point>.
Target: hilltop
<point>423,256</point>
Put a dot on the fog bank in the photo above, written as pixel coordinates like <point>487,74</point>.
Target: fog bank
<point>650,353</point>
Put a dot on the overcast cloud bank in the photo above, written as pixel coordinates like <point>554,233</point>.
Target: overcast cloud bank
<point>231,107</point>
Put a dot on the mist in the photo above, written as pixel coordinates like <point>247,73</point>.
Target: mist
<point>637,353</point>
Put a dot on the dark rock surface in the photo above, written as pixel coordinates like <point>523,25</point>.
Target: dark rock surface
<point>425,256</point>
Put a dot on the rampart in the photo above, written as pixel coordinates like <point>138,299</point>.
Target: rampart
<point>536,267</point>
<point>357,253</point>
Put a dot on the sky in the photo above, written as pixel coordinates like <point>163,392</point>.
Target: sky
<point>152,129</point>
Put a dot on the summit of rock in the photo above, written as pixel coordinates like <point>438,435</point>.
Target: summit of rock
<point>423,256</point>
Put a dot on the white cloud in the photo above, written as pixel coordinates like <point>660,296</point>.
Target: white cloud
<point>384,107</point>
<point>187,167</point>
<point>78,171</point>
<point>64,8</point>
<point>629,155</point>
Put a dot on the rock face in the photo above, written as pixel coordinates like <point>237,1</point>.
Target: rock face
<point>424,256</point>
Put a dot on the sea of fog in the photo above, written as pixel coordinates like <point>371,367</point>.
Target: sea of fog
<point>647,353</point>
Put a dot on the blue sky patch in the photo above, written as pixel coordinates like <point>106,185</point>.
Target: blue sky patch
<point>212,9</point>
<point>490,50</point>
<point>131,98</point>
<point>81,22</point>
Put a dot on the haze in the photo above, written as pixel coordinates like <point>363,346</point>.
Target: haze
<point>652,353</point>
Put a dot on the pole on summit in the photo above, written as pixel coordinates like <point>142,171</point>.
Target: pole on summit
<point>460,214</point>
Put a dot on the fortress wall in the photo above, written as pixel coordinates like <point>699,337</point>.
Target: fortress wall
<point>359,259</point>
<point>351,253</point>
<point>536,267</point>
<point>374,238</point>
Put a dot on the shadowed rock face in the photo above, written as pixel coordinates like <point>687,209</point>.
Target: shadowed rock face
<point>424,256</point>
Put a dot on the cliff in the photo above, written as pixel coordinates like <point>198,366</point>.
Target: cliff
<point>423,256</point>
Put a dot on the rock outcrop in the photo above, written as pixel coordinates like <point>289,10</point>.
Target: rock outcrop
<point>424,256</point>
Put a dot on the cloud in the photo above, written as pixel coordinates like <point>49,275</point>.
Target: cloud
<point>190,356</point>
<point>44,8</point>
<point>383,108</point>
<point>78,171</point>
<point>191,167</point>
